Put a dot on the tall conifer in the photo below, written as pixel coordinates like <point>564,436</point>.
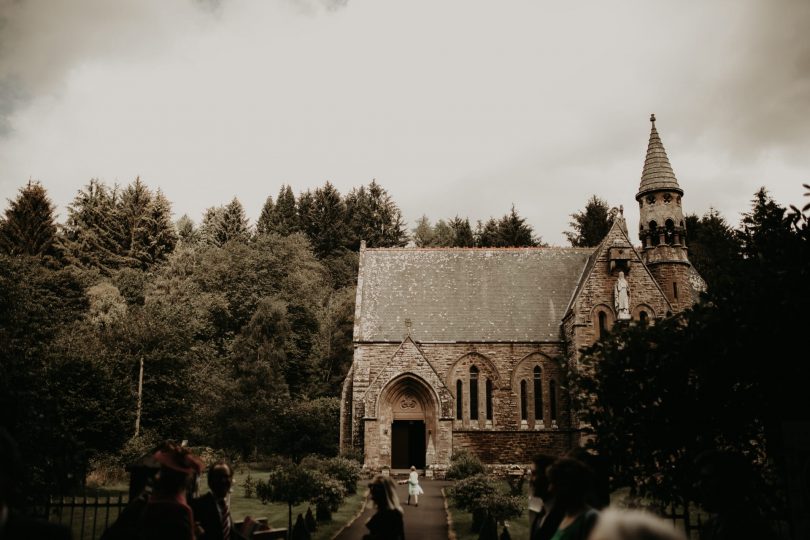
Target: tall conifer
<point>28,227</point>
<point>234,223</point>
<point>591,225</point>
<point>372,215</point>
<point>513,231</point>
<point>265,223</point>
<point>327,229</point>
<point>92,232</point>
<point>285,216</point>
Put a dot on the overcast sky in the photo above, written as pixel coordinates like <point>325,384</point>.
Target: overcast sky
<point>455,107</point>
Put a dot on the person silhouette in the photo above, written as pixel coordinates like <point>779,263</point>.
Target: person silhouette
<point>386,523</point>
<point>212,510</point>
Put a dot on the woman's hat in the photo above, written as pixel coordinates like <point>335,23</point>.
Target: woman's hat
<point>179,459</point>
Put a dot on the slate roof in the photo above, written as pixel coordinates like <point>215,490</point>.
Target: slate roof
<point>480,295</point>
<point>657,173</point>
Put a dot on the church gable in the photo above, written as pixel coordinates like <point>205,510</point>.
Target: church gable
<point>408,360</point>
<point>594,300</point>
<point>475,295</point>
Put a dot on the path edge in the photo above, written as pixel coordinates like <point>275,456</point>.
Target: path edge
<point>351,521</point>
<point>451,532</point>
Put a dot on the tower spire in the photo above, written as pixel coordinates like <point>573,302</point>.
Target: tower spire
<point>657,173</point>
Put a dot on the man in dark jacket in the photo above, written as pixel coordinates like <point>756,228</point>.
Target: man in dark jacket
<point>212,510</point>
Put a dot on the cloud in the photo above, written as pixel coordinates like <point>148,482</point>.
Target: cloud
<point>457,107</point>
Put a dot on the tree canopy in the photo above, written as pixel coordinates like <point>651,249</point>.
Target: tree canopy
<point>590,225</point>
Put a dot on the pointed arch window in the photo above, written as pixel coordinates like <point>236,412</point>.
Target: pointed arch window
<point>538,395</point>
<point>489,399</point>
<point>523,401</point>
<point>473,393</point>
<point>459,400</point>
<point>552,400</point>
<point>602,324</point>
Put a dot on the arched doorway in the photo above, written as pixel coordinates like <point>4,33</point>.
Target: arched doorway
<point>408,408</point>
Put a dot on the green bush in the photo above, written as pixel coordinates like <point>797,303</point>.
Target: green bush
<point>249,485</point>
<point>464,464</point>
<point>466,493</point>
<point>501,506</point>
<point>328,494</point>
<point>345,471</point>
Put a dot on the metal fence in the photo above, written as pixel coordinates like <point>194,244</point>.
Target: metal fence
<point>87,516</point>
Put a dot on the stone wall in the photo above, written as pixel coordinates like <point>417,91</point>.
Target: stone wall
<point>377,365</point>
<point>514,446</point>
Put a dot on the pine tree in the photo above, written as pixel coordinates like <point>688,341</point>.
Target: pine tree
<point>28,227</point>
<point>486,234</point>
<point>265,223</point>
<point>92,232</point>
<point>305,211</point>
<point>764,228</point>
<point>161,234</point>
<point>513,231</point>
<point>285,216</point>
<point>210,230</point>
<point>234,223</point>
<point>591,225</point>
<point>372,215</point>
<point>713,246</point>
<point>132,211</point>
<point>187,232</point>
<point>462,232</point>
<point>423,232</point>
<point>327,230</point>
<point>224,224</point>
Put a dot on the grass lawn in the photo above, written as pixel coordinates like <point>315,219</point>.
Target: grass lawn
<point>462,522</point>
<point>276,513</point>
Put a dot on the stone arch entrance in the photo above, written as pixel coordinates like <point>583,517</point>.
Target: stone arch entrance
<point>408,416</point>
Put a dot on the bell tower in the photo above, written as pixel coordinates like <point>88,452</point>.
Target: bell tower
<point>661,228</point>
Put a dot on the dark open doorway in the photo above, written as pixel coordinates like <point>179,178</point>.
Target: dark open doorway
<point>408,444</point>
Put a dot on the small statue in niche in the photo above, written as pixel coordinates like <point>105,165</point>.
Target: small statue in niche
<point>621,298</point>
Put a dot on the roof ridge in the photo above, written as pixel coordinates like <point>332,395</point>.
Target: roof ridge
<point>528,248</point>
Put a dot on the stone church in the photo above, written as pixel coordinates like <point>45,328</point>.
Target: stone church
<point>461,348</point>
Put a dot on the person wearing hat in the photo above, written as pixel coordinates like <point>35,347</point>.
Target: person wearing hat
<point>167,515</point>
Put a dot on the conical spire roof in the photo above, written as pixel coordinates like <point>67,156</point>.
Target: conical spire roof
<point>657,173</point>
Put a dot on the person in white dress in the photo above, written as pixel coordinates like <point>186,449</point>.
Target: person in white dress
<point>414,489</point>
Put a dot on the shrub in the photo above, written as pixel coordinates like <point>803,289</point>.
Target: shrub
<point>466,493</point>
<point>345,471</point>
<point>464,464</point>
<point>500,506</point>
<point>249,486</point>
<point>328,495</point>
